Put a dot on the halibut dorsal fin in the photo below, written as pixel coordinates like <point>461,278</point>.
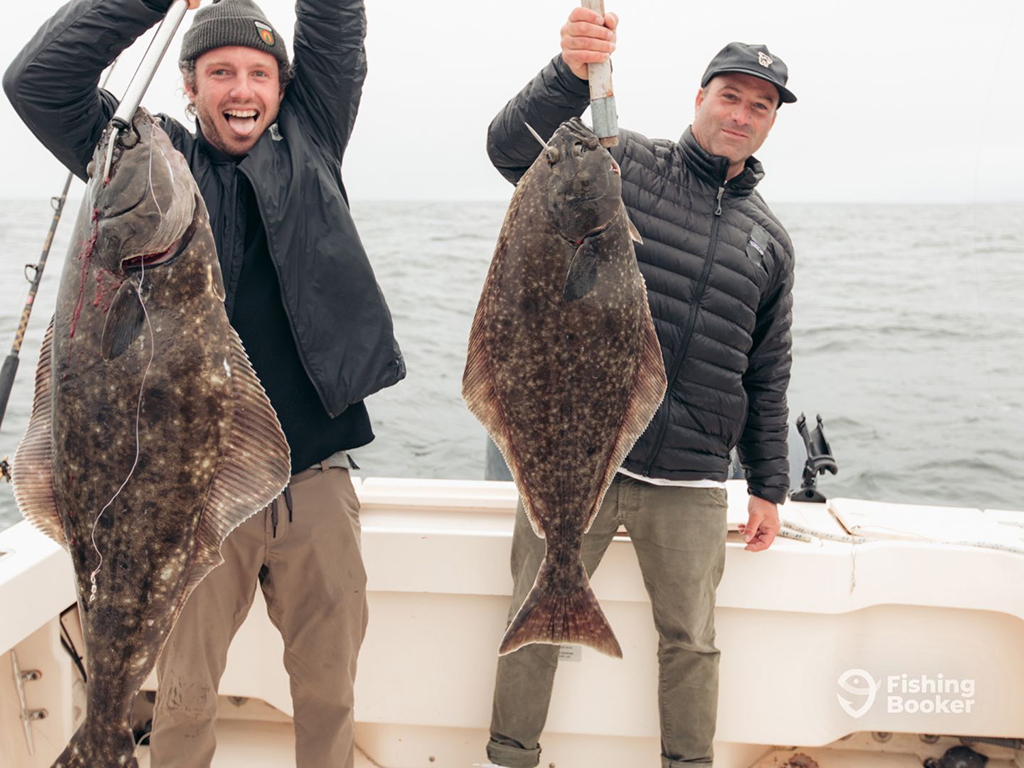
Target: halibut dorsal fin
<point>33,463</point>
<point>478,378</point>
<point>253,471</point>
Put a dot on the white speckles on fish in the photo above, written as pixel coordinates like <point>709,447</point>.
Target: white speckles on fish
<point>141,423</point>
<point>564,369</point>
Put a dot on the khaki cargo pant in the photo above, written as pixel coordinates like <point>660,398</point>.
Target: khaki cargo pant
<point>679,537</point>
<point>312,577</point>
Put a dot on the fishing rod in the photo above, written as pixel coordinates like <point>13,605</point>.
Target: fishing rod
<point>602,95</point>
<point>34,275</point>
<point>10,365</point>
<point>144,76</point>
<point>121,119</point>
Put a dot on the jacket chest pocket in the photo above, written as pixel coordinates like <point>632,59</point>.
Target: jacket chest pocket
<point>760,260</point>
<point>757,247</point>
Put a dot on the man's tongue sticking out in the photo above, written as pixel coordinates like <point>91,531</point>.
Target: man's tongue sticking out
<point>241,121</point>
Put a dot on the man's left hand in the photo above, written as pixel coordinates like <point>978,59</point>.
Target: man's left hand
<point>762,524</point>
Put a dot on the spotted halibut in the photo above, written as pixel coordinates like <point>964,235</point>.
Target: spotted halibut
<point>564,369</point>
<point>150,437</point>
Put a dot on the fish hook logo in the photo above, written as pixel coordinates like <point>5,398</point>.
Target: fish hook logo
<point>861,683</point>
<point>764,59</point>
<point>266,33</point>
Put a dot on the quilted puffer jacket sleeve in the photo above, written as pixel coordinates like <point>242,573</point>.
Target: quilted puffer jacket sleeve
<point>763,448</point>
<point>552,97</point>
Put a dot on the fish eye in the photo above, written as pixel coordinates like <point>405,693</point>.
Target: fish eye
<point>579,149</point>
<point>552,154</point>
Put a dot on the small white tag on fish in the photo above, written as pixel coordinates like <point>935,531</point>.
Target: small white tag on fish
<point>570,653</point>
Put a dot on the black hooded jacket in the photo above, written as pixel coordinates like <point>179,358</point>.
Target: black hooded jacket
<point>719,273</point>
<point>336,313</point>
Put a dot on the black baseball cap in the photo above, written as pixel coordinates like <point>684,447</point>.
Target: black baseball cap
<point>755,60</point>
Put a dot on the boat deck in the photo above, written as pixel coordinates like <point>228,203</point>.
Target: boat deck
<point>252,734</point>
<point>253,744</point>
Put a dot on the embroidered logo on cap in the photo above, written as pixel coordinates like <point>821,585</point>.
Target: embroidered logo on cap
<point>762,58</point>
<point>266,33</point>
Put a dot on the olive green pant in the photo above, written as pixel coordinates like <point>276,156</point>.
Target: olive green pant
<point>311,572</point>
<point>679,538</point>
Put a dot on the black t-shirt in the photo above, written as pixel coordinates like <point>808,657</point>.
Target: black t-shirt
<point>258,314</point>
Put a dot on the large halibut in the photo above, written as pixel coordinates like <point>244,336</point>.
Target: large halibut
<point>150,437</point>
<point>564,369</point>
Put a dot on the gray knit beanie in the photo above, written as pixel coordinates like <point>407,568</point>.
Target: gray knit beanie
<point>232,22</point>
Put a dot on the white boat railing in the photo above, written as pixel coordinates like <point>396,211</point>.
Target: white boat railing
<point>791,622</point>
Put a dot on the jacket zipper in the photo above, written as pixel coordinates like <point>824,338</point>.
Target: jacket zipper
<point>284,302</point>
<point>698,295</point>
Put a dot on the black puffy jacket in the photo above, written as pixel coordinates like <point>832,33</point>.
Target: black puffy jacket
<point>719,273</point>
<point>341,323</point>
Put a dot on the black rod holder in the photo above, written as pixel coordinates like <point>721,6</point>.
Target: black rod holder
<point>819,461</point>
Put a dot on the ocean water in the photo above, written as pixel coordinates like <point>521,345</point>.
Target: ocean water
<point>908,340</point>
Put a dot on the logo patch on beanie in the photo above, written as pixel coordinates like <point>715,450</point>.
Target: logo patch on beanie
<point>266,33</point>
<point>762,58</point>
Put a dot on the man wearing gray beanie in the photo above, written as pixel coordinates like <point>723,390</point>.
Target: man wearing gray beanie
<point>719,270</point>
<point>266,153</point>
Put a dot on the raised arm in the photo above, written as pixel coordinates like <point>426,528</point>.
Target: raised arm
<point>557,94</point>
<point>330,67</point>
<point>53,82</point>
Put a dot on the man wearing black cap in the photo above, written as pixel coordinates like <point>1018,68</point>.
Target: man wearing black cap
<point>266,155</point>
<point>719,272</point>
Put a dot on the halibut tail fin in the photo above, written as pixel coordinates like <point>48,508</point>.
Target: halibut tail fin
<point>91,747</point>
<point>573,618</point>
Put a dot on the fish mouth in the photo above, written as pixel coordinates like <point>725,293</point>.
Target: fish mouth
<point>598,230</point>
<point>142,261</point>
<point>590,199</point>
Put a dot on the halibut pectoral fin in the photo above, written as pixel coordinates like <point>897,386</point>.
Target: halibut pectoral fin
<point>124,322</point>
<point>649,384</point>
<point>253,471</point>
<point>634,233</point>
<point>33,463</point>
<point>553,617</point>
<point>582,275</point>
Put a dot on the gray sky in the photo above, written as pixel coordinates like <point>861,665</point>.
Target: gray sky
<point>899,101</point>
